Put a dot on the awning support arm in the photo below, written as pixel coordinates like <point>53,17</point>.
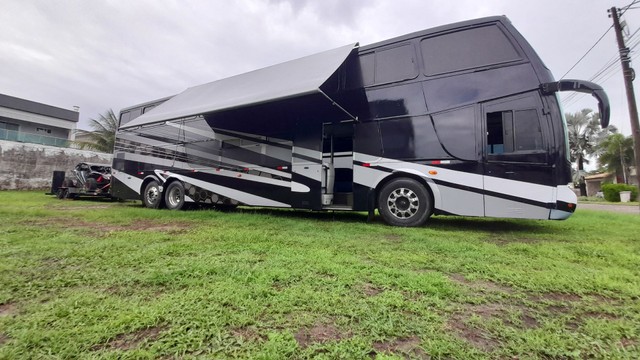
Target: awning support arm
<point>354,118</point>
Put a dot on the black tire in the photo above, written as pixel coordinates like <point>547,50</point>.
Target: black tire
<point>151,195</point>
<point>174,196</point>
<point>91,184</point>
<point>404,202</point>
<point>62,193</point>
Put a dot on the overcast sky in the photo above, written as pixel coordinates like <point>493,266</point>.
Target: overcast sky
<point>113,54</point>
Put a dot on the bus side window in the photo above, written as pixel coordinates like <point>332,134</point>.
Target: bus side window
<point>125,118</point>
<point>467,49</point>
<point>512,131</point>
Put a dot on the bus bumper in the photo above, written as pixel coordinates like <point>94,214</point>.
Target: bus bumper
<point>566,203</point>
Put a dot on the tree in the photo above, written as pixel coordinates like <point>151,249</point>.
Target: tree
<point>616,155</point>
<point>584,132</point>
<point>103,136</point>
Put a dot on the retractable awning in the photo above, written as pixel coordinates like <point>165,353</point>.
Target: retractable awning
<point>290,79</point>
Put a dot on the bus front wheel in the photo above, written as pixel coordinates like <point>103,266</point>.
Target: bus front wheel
<point>404,202</point>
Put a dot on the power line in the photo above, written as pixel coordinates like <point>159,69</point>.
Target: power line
<point>624,9</point>
<point>587,53</point>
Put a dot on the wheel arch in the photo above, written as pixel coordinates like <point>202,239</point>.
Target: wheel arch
<point>429,185</point>
<point>146,181</point>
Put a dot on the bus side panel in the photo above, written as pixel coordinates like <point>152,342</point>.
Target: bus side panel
<point>123,172</point>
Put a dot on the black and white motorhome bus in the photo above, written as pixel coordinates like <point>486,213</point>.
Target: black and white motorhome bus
<point>462,119</point>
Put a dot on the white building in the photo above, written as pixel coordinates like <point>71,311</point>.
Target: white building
<point>32,122</point>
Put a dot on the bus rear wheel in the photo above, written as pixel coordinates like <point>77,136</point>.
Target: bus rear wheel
<point>174,196</point>
<point>404,202</point>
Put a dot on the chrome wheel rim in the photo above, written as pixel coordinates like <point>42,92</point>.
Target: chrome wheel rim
<point>403,203</point>
<point>153,194</point>
<point>175,197</point>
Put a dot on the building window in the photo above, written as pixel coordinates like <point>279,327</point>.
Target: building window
<point>43,131</point>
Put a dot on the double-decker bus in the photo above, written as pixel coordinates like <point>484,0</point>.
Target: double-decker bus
<point>462,119</point>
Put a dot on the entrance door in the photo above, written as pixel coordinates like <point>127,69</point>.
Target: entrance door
<point>337,165</point>
<point>518,176</point>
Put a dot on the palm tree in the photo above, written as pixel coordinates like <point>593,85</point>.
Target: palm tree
<point>103,135</point>
<point>616,155</point>
<point>584,136</point>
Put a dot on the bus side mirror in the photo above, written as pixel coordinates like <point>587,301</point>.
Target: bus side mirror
<point>584,87</point>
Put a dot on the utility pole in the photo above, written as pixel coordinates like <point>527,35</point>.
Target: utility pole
<point>629,75</point>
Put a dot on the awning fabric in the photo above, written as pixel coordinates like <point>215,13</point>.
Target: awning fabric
<point>286,80</point>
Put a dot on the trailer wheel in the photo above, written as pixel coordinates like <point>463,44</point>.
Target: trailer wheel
<point>151,196</point>
<point>174,196</point>
<point>62,193</point>
<point>404,202</point>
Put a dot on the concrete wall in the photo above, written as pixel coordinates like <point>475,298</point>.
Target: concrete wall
<point>30,166</point>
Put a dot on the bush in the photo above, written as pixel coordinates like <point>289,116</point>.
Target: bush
<point>612,191</point>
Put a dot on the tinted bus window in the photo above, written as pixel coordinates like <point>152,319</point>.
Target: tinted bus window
<point>125,118</point>
<point>395,64</point>
<point>466,49</point>
<point>367,63</point>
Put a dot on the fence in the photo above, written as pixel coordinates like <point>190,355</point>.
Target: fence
<point>12,135</point>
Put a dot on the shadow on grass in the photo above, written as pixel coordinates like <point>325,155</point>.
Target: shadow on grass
<point>444,223</point>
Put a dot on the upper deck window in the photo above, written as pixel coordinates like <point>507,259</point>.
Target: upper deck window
<point>466,49</point>
<point>389,65</point>
<point>125,117</point>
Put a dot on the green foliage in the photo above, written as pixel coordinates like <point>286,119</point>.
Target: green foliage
<point>584,132</point>
<point>103,136</point>
<point>612,191</point>
<point>113,280</point>
<point>616,154</point>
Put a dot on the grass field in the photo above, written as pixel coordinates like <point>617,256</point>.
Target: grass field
<point>86,279</point>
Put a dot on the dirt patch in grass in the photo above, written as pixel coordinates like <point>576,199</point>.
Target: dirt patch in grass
<point>600,315</point>
<point>319,333</point>
<point>88,207</point>
<point>8,309</point>
<point>132,340</point>
<point>478,338</point>
<point>628,343</point>
<point>393,238</point>
<point>517,316</point>
<point>247,334</point>
<point>410,347</point>
<point>370,289</point>
<point>480,285</point>
<point>100,229</point>
<point>529,322</point>
<point>502,241</point>
<point>558,297</point>
<point>3,338</point>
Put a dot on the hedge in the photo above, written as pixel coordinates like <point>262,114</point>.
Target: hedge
<point>612,191</point>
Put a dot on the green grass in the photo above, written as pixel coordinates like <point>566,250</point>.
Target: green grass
<point>92,279</point>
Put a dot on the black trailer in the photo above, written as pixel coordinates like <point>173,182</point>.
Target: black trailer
<point>89,179</point>
<point>462,119</point>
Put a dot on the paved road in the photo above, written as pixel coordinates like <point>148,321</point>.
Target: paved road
<point>614,208</point>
